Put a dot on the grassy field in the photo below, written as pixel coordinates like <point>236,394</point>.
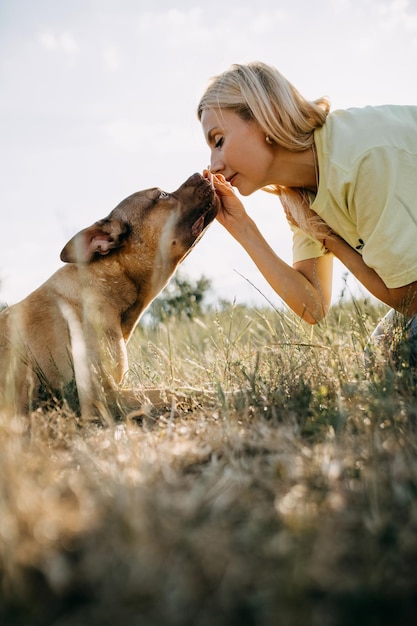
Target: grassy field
<point>284,492</point>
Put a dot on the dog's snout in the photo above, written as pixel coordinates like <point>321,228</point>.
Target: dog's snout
<point>194,179</point>
<point>196,176</point>
<point>196,182</point>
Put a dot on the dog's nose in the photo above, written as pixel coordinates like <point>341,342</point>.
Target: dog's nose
<point>195,182</point>
<point>195,178</point>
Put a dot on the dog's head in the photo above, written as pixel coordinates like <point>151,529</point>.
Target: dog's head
<point>149,220</point>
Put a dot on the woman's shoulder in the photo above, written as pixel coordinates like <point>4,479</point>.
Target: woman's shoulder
<point>382,114</point>
<point>350,133</point>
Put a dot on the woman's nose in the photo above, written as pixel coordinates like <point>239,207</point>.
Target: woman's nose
<point>216,164</point>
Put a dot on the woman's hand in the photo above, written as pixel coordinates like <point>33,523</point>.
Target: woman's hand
<point>307,292</point>
<point>231,213</point>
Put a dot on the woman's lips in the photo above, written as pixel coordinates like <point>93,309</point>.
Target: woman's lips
<point>231,179</point>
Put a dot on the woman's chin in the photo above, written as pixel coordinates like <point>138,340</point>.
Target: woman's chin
<point>244,190</point>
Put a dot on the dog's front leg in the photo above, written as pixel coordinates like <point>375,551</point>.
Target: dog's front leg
<point>125,401</point>
<point>109,366</point>
<point>99,358</point>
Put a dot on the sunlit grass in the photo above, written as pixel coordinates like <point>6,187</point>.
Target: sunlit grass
<point>283,492</point>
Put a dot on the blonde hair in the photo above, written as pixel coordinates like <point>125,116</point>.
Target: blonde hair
<point>259,92</point>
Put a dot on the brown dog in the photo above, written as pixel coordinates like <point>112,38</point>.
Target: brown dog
<point>77,324</point>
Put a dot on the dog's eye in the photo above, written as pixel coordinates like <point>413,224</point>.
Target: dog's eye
<point>163,195</point>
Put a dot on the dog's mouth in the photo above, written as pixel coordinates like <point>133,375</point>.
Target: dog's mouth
<point>200,204</point>
<point>203,221</point>
<point>207,209</point>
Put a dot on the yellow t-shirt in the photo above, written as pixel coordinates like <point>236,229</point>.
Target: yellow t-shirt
<point>368,188</point>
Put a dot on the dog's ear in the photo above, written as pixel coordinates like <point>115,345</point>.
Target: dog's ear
<point>100,239</point>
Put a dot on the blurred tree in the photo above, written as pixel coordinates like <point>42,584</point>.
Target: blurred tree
<point>181,298</point>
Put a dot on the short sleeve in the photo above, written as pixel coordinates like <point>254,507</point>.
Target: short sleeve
<point>303,246</point>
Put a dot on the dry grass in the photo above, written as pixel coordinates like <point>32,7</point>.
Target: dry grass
<point>287,495</point>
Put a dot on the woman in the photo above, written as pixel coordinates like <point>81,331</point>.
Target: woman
<point>347,181</point>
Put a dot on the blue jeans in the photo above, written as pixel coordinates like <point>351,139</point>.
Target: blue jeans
<point>395,340</point>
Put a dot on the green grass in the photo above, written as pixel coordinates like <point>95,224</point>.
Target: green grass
<point>284,493</point>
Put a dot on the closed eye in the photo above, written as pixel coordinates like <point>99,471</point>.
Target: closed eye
<point>219,143</point>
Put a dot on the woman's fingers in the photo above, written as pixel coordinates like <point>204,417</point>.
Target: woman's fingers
<point>231,209</point>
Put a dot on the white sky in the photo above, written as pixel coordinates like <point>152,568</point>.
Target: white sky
<point>98,99</point>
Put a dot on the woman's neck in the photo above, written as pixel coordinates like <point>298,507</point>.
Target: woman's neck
<point>297,169</point>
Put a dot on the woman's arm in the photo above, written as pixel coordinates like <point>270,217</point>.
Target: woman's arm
<point>403,299</point>
<point>305,288</point>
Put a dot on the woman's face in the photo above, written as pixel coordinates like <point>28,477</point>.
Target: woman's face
<point>238,150</point>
